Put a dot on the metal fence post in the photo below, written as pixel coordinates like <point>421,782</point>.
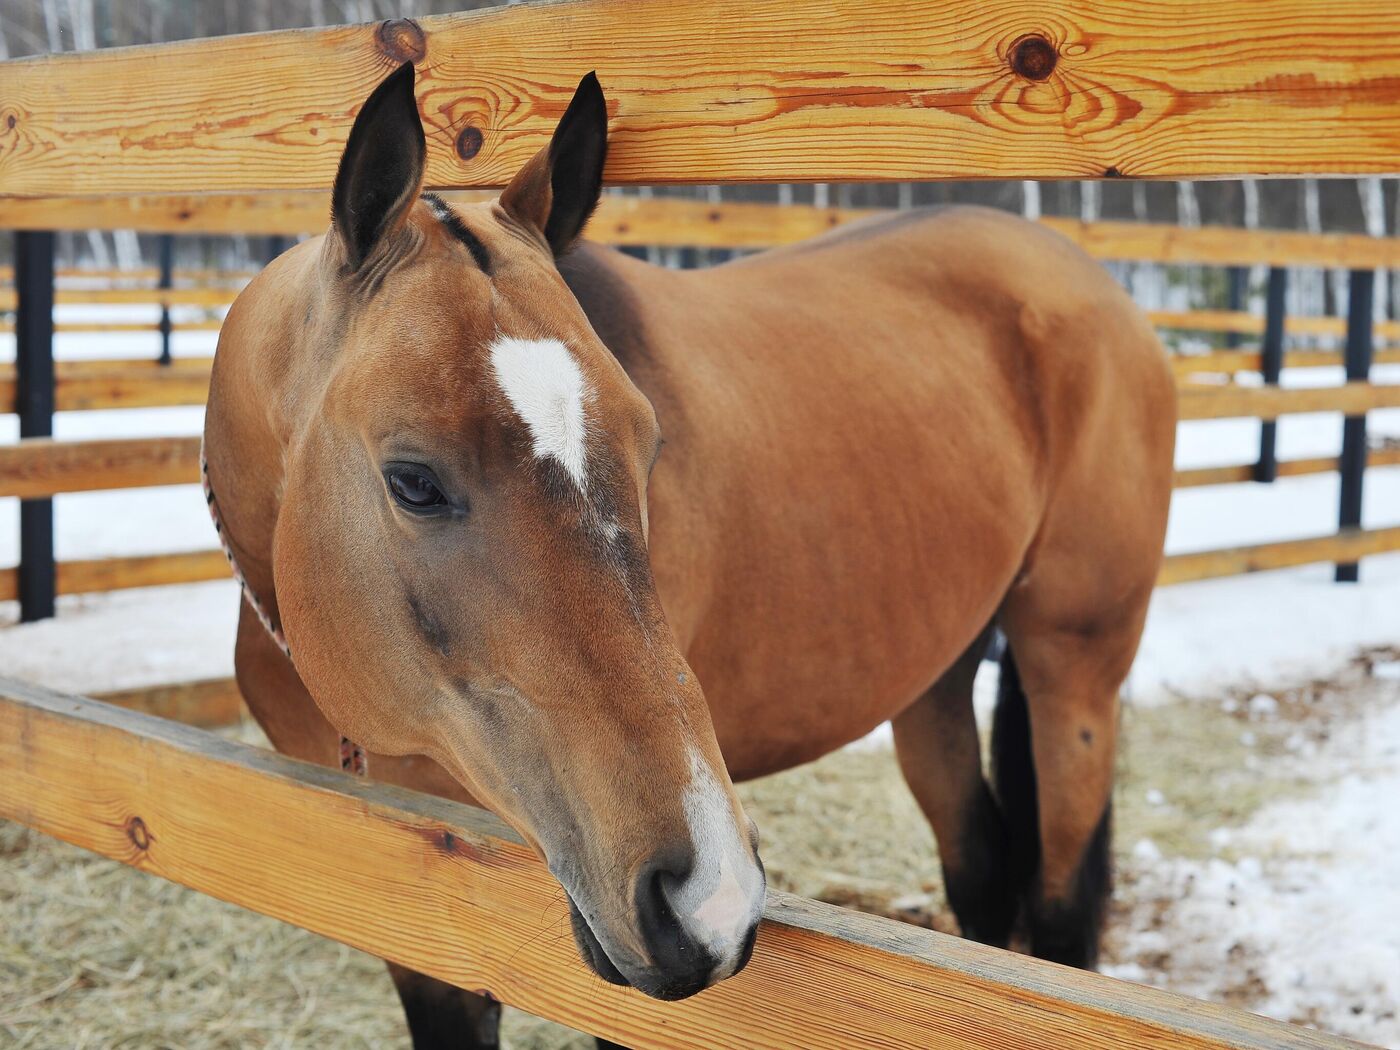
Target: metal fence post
<point>1360,346</point>
<point>34,403</point>
<point>1270,366</point>
<point>166,282</point>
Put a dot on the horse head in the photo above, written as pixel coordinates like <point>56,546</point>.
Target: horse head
<point>460,545</point>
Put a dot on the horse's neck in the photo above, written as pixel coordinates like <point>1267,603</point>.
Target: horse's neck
<point>625,301</point>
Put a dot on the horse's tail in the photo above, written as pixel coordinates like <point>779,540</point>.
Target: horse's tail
<point>1013,774</point>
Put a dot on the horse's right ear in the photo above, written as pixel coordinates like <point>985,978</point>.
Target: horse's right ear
<point>381,170</point>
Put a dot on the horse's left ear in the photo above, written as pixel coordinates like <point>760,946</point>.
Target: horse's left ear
<point>558,189</point>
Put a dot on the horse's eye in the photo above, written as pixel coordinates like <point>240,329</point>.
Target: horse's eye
<point>413,489</point>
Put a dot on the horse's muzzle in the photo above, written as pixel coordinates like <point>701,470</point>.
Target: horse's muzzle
<point>683,960</point>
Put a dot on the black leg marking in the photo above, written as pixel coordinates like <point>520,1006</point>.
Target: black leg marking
<point>1068,931</point>
<point>1013,775</point>
<point>443,1017</point>
<point>981,890</point>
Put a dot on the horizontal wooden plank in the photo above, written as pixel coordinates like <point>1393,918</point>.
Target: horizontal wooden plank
<point>112,327</point>
<point>450,892</point>
<point>133,296</point>
<point>99,575</point>
<point>884,89</point>
<point>1346,546</point>
<point>1288,468</point>
<point>1233,361</point>
<point>103,384</point>
<point>1243,323</point>
<point>676,222</point>
<point>82,276</point>
<point>38,467</point>
<point>206,703</point>
<point>1226,245</point>
<point>1198,401</point>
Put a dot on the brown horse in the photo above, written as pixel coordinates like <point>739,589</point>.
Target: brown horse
<point>436,438</point>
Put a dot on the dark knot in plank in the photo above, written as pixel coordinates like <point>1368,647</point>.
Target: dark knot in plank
<point>138,833</point>
<point>1033,57</point>
<point>469,141</point>
<point>402,40</point>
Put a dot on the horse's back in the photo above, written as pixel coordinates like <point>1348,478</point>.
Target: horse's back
<point>867,433</point>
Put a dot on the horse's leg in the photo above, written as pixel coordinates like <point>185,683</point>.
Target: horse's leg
<point>936,741</point>
<point>443,1017</point>
<point>440,1016</point>
<point>1062,684</point>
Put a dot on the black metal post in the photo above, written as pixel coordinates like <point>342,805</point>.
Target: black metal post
<point>1270,366</point>
<point>276,245</point>
<point>1359,351</point>
<point>1239,284</point>
<point>34,401</point>
<point>166,282</point>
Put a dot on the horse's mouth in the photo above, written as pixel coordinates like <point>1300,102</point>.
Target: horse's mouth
<point>597,960</point>
<point>591,949</point>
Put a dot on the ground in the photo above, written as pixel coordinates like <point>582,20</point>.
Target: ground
<point>1257,858</point>
<point>1257,831</point>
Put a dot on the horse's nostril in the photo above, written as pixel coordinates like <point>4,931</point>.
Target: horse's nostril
<point>681,962</point>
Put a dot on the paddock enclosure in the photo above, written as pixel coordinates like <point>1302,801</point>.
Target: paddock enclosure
<point>242,134</point>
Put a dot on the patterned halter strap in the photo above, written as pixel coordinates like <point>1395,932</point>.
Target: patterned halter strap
<point>352,755</point>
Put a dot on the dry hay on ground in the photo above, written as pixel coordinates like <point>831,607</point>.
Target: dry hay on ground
<point>94,954</point>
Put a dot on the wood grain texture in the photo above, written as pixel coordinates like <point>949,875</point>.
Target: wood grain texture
<point>206,703</point>
<point>448,891</point>
<point>38,467</point>
<point>1346,546</point>
<point>731,91</point>
<point>116,383</point>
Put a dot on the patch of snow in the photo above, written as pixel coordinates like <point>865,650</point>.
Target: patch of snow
<point>1307,923</point>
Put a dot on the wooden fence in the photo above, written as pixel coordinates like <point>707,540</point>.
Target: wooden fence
<point>40,468</point>
<point>451,892</point>
<point>777,91</point>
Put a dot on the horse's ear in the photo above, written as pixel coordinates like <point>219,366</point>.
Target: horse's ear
<point>381,170</point>
<point>558,189</point>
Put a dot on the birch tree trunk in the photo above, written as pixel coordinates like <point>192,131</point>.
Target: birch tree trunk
<point>1373,211</point>
<point>1030,199</point>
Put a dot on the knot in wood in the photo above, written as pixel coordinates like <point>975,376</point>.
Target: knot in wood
<point>402,40</point>
<point>1033,57</point>
<point>469,141</point>
<point>138,833</point>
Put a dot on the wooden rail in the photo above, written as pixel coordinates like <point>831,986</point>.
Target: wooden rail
<point>1349,545</point>
<point>201,277</point>
<point>99,575</point>
<point>1270,402</point>
<point>133,296</point>
<point>451,892</point>
<point>1105,88</point>
<point>40,467</point>
<point>1243,323</point>
<point>1287,468</point>
<point>205,703</point>
<point>677,222</point>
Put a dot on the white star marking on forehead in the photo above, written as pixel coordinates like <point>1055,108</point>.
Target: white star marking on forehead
<point>547,390</point>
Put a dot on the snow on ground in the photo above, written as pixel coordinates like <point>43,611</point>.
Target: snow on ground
<point>1309,885</point>
<point>1297,913</point>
